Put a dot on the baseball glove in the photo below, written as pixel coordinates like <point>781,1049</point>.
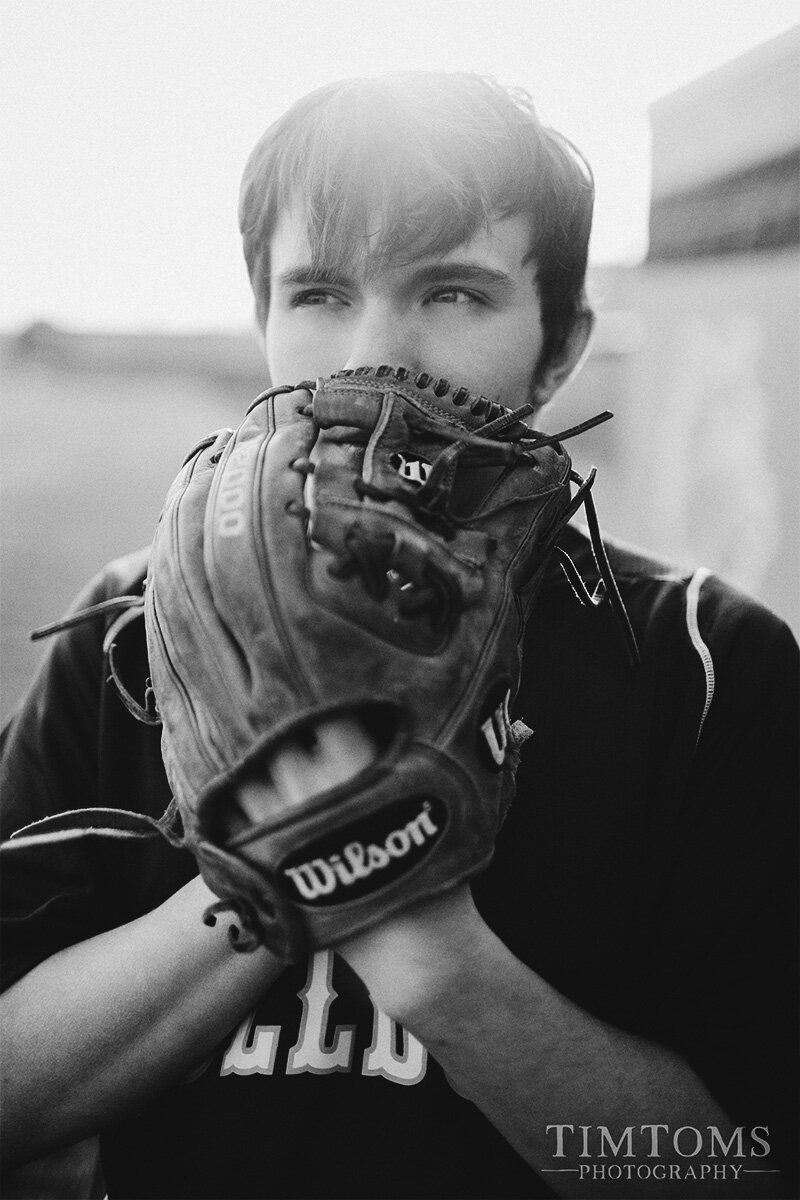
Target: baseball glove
<point>368,546</point>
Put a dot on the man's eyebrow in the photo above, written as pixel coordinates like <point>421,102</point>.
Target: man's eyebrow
<point>463,272</point>
<point>305,276</point>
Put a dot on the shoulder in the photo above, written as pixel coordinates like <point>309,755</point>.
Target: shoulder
<point>73,658</point>
<point>77,648</point>
<point>715,664</point>
<point>123,576</point>
<point>690,605</point>
<point>51,746</point>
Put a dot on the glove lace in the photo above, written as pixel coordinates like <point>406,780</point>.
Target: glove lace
<point>244,939</point>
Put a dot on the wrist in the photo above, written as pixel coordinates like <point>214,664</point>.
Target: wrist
<point>415,960</point>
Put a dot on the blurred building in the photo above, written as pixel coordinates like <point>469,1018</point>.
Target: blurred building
<point>726,158</point>
<point>697,350</point>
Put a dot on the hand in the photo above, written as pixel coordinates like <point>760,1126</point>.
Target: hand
<point>404,959</point>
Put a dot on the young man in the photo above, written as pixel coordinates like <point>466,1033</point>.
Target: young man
<point>617,990</point>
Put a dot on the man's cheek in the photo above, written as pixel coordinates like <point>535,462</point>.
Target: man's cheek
<point>289,353</point>
<point>291,364</point>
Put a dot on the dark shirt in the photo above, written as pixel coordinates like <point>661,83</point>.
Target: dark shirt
<point>647,870</point>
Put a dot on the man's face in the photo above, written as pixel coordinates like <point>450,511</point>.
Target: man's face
<point>471,316</point>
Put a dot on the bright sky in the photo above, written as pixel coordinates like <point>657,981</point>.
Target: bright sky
<point>127,123</point>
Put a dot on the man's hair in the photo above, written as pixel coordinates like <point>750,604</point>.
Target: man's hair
<point>421,161</point>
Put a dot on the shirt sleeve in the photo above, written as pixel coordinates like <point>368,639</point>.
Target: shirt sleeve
<point>723,919</point>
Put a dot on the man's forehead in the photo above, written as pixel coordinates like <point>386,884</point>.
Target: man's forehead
<point>501,246</point>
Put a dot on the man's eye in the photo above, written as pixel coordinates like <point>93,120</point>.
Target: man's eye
<point>453,295</point>
<point>314,297</point>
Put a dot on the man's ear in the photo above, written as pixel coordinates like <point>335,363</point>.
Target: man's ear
<point>569,361</point>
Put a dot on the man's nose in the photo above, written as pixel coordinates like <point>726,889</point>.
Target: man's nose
<point>384,337</point>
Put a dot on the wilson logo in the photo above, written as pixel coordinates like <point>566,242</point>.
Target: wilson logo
<point>366,855</point>
<point>411,467</point>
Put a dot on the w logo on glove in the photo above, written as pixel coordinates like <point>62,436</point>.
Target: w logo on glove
<point>496,729</point>
<point>411,467</point>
